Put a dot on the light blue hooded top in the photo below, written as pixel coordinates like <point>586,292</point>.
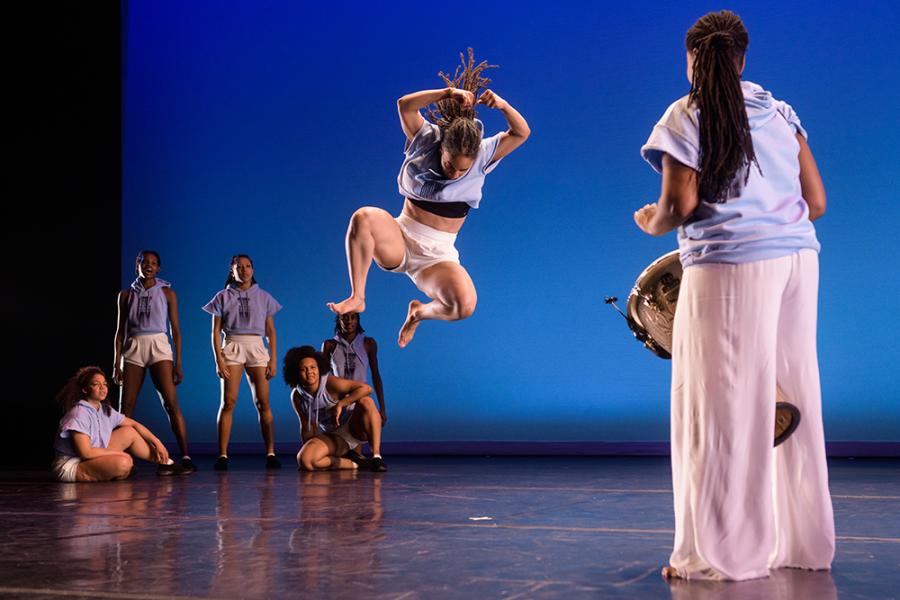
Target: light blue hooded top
<point>762,219</point>
<point>421,177</point>
<point>148,309</point>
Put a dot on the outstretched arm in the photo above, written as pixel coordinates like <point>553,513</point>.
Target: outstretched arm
<point>518,130</point>
<point>676,203</point>
<point>409,106</point>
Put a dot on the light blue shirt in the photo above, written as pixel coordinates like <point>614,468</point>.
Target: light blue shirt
<point>148,309</point>
<point>421,177</point>
<point>762,219</point>
<point>84,418</point>
<point>243,312</point>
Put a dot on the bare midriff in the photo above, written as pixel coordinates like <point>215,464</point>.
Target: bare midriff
<point>434,221</point>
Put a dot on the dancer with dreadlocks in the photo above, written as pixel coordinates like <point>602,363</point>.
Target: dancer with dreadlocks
<point>740,183</point>
<point>447,159</point>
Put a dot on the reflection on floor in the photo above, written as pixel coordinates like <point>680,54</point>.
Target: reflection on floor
<point>429,528</point>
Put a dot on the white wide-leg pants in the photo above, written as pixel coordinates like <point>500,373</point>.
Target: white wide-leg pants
<point>742,506</point>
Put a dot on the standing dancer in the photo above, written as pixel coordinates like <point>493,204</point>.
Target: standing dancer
<point>352,355</point>
<point>141,343</point>
<point>741,185</point>
<point>244,312</point>
<point>446,162</point>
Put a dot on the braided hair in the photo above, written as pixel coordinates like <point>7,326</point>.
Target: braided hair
<point>461,135</point>
<point>718,42</point>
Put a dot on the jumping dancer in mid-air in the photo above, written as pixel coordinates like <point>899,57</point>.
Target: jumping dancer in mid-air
<point>447,159</point>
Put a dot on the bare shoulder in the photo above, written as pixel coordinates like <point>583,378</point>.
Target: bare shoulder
<point>329,345</point>
<point>370,344</point>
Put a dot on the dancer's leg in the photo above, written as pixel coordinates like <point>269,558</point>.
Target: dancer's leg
<point>323,453</point>
<point>132,380</point>
<point>365,423</point>
<point>723,391</point>
<point>230,389</point>
<point>161,373</point>
<point>804,522</point>
<point>372,233</point>
<point>259,387</point>
<point>453,298</point>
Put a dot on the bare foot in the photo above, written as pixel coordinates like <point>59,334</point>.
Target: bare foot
<point>409,326</point>
<point>351,304</point>
<point>670,573</point>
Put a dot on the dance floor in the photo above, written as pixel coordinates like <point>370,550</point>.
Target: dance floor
<point>429,528</point>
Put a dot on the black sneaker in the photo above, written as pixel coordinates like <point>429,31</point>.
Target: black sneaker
<point>272,462</point>
<point>171,469</point>
<point>188,465</point>
<point>221,464</point>
<point>376,464</point>
<point>359,459</point>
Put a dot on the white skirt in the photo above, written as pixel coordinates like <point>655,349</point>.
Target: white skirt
<point>742,506</point>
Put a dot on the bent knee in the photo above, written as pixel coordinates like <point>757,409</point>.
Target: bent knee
<point>466,306</point>
<point>367,404</point>
<point>122,466</point>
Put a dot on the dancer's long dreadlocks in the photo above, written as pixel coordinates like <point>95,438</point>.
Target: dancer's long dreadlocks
<point>461,136</point>
<point>719,41</point>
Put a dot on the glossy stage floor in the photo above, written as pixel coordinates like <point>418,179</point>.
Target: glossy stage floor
<point>429,528</point>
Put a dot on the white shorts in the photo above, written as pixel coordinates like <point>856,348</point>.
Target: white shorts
<point>146,350</point>
<point>245,350</point>
<point>425,246</point>
<point>343,432</point>
<point>65,468</point>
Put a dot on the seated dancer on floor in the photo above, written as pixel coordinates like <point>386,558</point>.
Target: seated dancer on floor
<point>447,159</point>
<point>329,431</point>
<point>95,442</point>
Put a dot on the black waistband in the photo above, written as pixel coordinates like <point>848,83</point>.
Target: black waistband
<point>451,210</point>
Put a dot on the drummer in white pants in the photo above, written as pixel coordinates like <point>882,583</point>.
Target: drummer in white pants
<point>743,199</point>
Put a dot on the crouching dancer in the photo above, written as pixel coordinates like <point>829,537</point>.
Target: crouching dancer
<point>327,431</point>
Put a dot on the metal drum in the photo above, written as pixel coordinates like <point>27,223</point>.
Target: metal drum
<point>650,314</point>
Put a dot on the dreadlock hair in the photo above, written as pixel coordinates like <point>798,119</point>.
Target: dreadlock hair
<point>290,368</point>
<point>461,135</point>
<point>718,41</point>
<point>73,391</point>
<point>230,279</point>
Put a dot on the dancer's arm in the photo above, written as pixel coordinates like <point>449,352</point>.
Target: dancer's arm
<point>518,130</point>
<point>175,327</point>
<point>810,181</point>
<point>272,367</point>
<point>222,369</point>
<point>676,203</point>
<point>307,430</point>
<point>372,351</point>
<point>348,391</point>
<point>120,336</point>
<point>409,105</point>
<point>328,347</point>
<point>156,446</point>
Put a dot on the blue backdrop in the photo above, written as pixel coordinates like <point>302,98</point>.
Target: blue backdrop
<point>259,127</point>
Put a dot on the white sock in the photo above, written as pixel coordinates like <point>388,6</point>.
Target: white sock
<point>376,456</point>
